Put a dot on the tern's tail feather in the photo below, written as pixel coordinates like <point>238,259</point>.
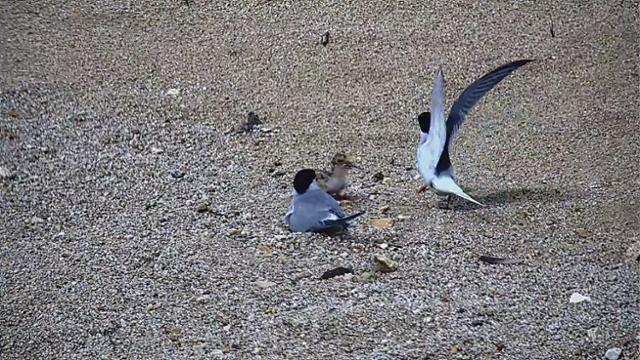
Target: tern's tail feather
<point>446,185</point>
<point>465,196</point>
<point>341,221</point>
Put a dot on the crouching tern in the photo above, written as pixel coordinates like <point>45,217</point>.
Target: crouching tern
<point>312,209</point>
<point>436,136</point>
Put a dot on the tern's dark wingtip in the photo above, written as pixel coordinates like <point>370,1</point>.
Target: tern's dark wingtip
<point>524,61</point>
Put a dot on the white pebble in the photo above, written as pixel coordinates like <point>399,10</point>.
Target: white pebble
<point>613,354</point>
<point>578,298</point>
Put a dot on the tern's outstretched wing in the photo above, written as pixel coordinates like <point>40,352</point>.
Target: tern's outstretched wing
<point>430,150</point>
<point>469,97</point>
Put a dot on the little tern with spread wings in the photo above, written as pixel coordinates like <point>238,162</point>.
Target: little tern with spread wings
<point>436,135</point>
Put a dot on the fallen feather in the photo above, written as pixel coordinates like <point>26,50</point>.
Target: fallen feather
<point>340,270</point>
<point>499,260</point>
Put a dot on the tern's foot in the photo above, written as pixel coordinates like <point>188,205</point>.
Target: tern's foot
<point>335,231</point>
<point>445,204</point>
<point>442,205</point>
<point>421,189</point>
<point>343,197</point>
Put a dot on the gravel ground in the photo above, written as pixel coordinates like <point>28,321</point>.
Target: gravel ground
<point>136,223</point>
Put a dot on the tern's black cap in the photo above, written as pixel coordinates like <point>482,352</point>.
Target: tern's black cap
<point>303,180</point>
<point>425,120</point>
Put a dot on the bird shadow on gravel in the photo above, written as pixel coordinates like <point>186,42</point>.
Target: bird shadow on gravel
<point>511,196</point>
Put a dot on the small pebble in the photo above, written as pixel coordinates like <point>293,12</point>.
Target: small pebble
<point>578,298</point>
<point>384,264</point>
<point>383,223</point>
<point>203,299</point>
<point>367,277</point>
<point>264,284</point>
<point>173,92</point>
<point>177,174</point>
<point>203,208</point>
<point>325,39</point>
<point>613,353</point>
<point>583,233</point>
<point>6,174</point>
<point>253,120</point>
<point>264,250</point>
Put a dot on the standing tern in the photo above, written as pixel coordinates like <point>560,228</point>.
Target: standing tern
<point>436,136</point>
